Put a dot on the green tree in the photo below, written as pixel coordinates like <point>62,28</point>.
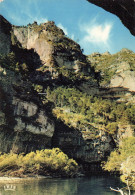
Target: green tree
<point>128,171</point>
<point>117,157</point>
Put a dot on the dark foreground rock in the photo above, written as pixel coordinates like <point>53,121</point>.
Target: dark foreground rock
<point>124,9</point>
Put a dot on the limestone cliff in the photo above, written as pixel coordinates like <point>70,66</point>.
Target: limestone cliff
<point>53,47</point>
<point>35,62</point>
<point>117,74</point>
<point>24,124</point>
<point>32,56</point>
<point>56,56</point>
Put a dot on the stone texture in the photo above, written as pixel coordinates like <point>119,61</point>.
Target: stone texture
<point>116,74</point>
<point>124,131</point>
<point>55,50</point>
<point>84,149</point>
<point>124,79</point>
<point>5,36</point>
<point>24,125</point>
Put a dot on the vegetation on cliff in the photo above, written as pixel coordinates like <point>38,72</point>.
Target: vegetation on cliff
<point>13,63</point>
<point>88,113</point>
<point>58,72</point>
<point>123,160</point>
<point>52,162</point>
<point>109,65</point>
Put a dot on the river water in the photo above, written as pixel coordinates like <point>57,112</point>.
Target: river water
<point>95,185</point>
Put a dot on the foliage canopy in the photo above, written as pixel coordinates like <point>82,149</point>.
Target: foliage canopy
<point>44,162</point>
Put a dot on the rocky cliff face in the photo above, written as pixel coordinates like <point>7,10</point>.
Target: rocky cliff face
<point>34,58</point>
<point>53,47</point>
<point>24,124</point>
<point>123,9</point>
<point>5,36</point>
<point>82,147</point>
<point>117,74</point>
<point>39,53</point>
<point>124,77</point>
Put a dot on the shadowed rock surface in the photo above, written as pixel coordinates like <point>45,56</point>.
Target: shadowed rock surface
<point>5,36</point>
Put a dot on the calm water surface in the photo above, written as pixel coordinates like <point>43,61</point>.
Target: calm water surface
<point>95,185</point>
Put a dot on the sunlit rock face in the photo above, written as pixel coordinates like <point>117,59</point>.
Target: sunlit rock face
<point>124,9</point>
<point>117,74</point>
<point>51,44</point>
<point>124,131</point>
<point>125,79</point>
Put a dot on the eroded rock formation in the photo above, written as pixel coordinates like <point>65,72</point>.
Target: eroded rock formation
<point>53,47</point>
<point>117,74</point>
<point>24,124</point>
<point>33,58</point>
<point>37,53</point>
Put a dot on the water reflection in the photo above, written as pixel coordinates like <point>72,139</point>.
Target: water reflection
<point>77,186</point>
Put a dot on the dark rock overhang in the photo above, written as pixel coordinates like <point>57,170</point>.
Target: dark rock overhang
<point>124,9</point>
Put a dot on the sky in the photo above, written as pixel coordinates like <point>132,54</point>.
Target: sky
<point>95,29</point>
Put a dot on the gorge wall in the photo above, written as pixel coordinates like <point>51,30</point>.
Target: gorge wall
<point>5,36</point>
<point>32,59</point>
<point>24,124</point>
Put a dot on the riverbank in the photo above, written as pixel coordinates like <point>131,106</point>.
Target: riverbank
<point>50,162</point>
<point>10,180</point>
